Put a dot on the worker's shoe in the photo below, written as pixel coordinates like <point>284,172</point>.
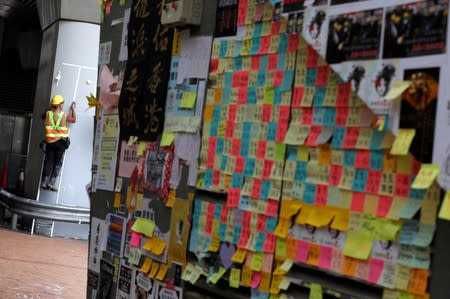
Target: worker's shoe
<point>44,183</point>
<point>52,188</point>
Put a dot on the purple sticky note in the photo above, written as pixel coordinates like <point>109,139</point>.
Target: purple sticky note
<point>226,253</point>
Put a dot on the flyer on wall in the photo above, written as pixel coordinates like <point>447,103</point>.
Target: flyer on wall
<point>295,5</point>
<point>315,27</point>
<point>354,36</point>
<point>416,29</point>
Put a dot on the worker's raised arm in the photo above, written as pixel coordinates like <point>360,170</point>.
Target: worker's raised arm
<point>72,117</point>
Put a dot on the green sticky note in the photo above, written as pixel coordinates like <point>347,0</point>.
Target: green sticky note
<point>167,138</point>
<point>280,151</point>
<point>358,245</point>
<point>269,95</point>
<point>188,100</point>
<point>214,278</point>
<point>315,291</point>
<point>144,226</point>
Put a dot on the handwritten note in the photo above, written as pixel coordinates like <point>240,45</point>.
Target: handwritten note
<point>188,100</point>
<point>358,245</point>
<point>403,142</point>
<point>426,176</point>
<point>444,213</point>
<point>315,291</point>
<point>144,226</point>
<point>167,138</point>
<point>398,87</point>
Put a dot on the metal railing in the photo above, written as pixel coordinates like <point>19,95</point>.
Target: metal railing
<point>26,207</point>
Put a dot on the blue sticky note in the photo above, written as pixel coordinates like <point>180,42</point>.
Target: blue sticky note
<point>257,29</point>
<point>193,241</point>
<point>208,178</point>
<point>271,224</point>
<point>237,63</point>
<point>288,79</point>
<point>256,293</point>
<point>220,142</point>
<point>301,171</point>
<point>360,180</point>
<point>237,180</point>
<point>310,77</point>
<point>261,79</point>
<point>338,137</point>
<point>256,43</point>
<point>237,48</point>
<point>318,116</point>
<point>409,231</point>
<point>283,43</point>
<point>417,193</point>
<point>309,194</point>
<point>265,189</point>
<point>236,234</point>
<point>214,128</point>
<point>329,119</point>
<point>281,61</point>
<point>245,146</point>
<point>251,95</point>
<point>217,211</point>
<point>216,113</point>
<point>319,96</point>
<point>333,199</point>
<point>376,160</point>
<point>223,48</point>
<point>263,62</point>
<point>249,167</point>
<point>222,231</point>
<point>223,163</point>
<point>377,139</point>
<point>260,241</point>
<point>226,95</point>
<point>277,97</point>
<point>349,158</point>
<point>228,79</point>
<point>244,203</point>
<point>291,152</point>
<point>246,130</point>
<point>271,131</point>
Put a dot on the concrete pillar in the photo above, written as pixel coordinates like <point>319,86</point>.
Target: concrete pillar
<point>71,33</point>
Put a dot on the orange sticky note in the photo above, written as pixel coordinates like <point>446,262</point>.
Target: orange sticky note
<point>349,266</point>
<point>117,200</point>
<point>313,254</point>
<point>418,281</point>
<point>246,276</point>
<point>162,272</point>
<point>146,265</point>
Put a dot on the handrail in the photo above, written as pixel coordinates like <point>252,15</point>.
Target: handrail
<point>32,208</point>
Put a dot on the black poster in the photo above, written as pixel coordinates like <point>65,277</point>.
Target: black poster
<point>418,110</point>
<point>226,18</point>
<point>354,36</point>
<point>143,95</point>
<point>106,280</point>
<point>416,29</point>
<point>294,5</point>
<point>336,2</point>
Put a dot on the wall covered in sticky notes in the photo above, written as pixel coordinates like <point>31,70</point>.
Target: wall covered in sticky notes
<point>295,150</point>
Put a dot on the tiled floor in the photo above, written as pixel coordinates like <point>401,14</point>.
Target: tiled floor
<point>35,267</point>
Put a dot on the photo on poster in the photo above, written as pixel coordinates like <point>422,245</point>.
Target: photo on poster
<point>295,5</point>
<point>226,18</point>
<point>418,110</point>
<point>315,28</point>
<point>416,29</point>
<point>179,228</point>
<point>157,164</point>
<point>354,36</point>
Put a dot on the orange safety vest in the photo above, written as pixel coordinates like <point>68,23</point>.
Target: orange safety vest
<point>55,131</point>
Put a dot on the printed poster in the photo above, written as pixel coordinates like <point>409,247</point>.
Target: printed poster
<point>180,227</point>
<point>129,160</point>
<point>315,28</point>
<point>123,54</point>
<point>126,285</point>
<point>108,153</point>
<point>418,110</point>
<point>105,286</point>
<point>96,243</point>
<point>416,29</point>
<point>354,36</point>
<point>336,2</point>
<point>294,5</point>
<point>226,18</point>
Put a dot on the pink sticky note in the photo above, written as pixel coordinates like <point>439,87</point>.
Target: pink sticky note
<point>267,169</point>
<point>269,243</point>
<point>256,280</point>
<point>256,188</point>
<point>307,116</point>
<point>293,42</point>
<point>343,94</point>
<point>267,263</point>
<point>272,208</point>
<point>375,269</point>
<point>273,61</point>
<point>341,115</point>
<point>358,199</point>
<point>362,159</point>
<point>313,134</point>
<point>285,112</point>
<point>233,198</point>
<point>350,138</point>
<point>278,78</point>
<point>135,240</point>
<point>384,205</point>
<point>255,62</point>
<point>261,151</point>
<point>302,251</point>
<point>282,131</point>
<point>326,255</point>
<point>242,95</point>
<point>235,147</point>
<point>335,175</point>
<point>313,57</point>
<point>322,75</point>
<point>373,181</point>
<point>321,195</point>
<point>248,259</point>
<point>229,129</point>
<point>265,44</point>
<point>224,214</point>
<point>276,27</point>
<point>243,239</point>
<point>232,109</point>
<point>402,184</point>
<point>261,223</point>
<point>213,65</point>
<point>239,165</point>
<point>216,178</point>
<point>299,92</point>
<point>266,112</point>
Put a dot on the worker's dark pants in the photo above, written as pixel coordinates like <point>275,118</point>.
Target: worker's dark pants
<point>54,153</point>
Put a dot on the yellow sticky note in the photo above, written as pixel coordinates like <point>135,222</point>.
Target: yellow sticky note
<point>176,47</point>
<point>235,278</point>
<point>444,213</point>
<point>146,265</point>
<point>289,208</point>
<point>188,100</point>
<point>214,278</point>
<point>163,268</point>
<point>403,142</point>
<point>285,282</point>
<point>144,226</point>
<point>171,199</point>
<point>149,244</point>
<point>315,291</point>
<point>426,176</point>
<point>287,265</point>
<point>159,246</point>
<point>257,261</point>
<point>358,245</point>
<point>141,148</point>
<point>397,88</point>
<point>341,220</point>
<point>132,140</point>
<point>282,228</point>
<point>117,199</point>
<point>154,270</point>
<point>167,138</point>
<point>215,244</point>
<point>246,276</point>
<point>389,294</point>
<point>239,256</point>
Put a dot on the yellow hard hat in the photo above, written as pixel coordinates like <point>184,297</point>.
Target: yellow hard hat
<point>56,100</point>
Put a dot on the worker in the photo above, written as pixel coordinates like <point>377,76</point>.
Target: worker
<point>56,139</point>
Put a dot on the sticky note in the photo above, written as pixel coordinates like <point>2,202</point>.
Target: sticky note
<point>257,261</point>
<point>167,138</point>
<point>389,294</point>
<point>426,176</point>
<point>397,88</point>
<point>146,265</point>
<point>315,291</point>
<point>215,244</point>
<point>163,268</point>
<point>410,208</point>
<point>144,226</point>
<point>135,240</point>
<point>235,277</point>
<point>403,142</point>
<point>188,100</point>
<point>287,265</point>
<point>141,148</point>
<point>117,200</point>
<point>149,244</point>
<point>214,278</point>
<point>418,281</point>
<point>444,213</point>
<point>358,245</point>
<point>159,246</point>
<point>132,140</point>
<point>154,270</point>
<point>285,282</point>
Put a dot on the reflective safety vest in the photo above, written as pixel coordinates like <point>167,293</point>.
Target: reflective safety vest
<point>55,131</point>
